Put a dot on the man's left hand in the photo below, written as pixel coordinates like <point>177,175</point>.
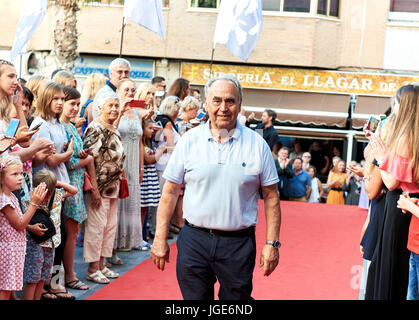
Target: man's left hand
<point>269,259</point>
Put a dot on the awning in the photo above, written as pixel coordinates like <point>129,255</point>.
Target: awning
<point>368,106</point>
<point>305,108</point>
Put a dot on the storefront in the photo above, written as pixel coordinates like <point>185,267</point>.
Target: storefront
<point>329,106</point>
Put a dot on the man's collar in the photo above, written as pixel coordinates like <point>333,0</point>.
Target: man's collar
<point>236,134</point>
<point>110,84</point>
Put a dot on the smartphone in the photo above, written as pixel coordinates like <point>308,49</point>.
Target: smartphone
<point>36,127</point>
<point>137,104</point>
<point>372,124</point>
<point>201,115</point>
<point>13,126</point>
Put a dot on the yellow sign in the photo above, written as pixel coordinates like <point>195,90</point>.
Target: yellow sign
<point>374,84</point>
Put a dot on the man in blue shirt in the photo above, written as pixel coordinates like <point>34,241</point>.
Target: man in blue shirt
<point>223,164</point>
<point>300,188</point>
<point>267,125</point>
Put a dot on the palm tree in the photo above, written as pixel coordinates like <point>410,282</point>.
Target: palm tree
<point>65,32</point>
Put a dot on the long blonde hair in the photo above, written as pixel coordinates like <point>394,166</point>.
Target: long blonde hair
<point>34,84</point>
<point>142,91</point>
<point>405,127</point>
<point>6,101</point>
<point>91,86</point>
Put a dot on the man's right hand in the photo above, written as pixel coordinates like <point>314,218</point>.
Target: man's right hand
<point>160,252</point>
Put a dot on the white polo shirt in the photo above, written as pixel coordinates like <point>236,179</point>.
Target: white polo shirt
<point>221,180</point>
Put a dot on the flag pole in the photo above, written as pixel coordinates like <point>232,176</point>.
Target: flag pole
<point>122,36</point>
<point>212,59</point>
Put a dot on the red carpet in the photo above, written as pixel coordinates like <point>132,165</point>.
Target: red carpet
<point>319,260</point>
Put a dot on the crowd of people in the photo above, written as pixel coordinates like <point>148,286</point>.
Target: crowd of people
<point>300,172</point>
<point>83,168</point>
<point>87,168</point>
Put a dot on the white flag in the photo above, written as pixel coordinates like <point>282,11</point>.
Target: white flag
<point>238,27</point>
<point>146,13</point>
<point>33,13</point>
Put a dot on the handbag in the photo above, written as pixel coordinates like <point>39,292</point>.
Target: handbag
<point>43,217</point>
<point>123,189</point>
<point>87,184</point>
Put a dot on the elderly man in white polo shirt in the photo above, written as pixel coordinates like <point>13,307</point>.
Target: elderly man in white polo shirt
<point>223,164</point>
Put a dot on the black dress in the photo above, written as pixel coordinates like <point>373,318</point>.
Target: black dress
<point>388,275</point>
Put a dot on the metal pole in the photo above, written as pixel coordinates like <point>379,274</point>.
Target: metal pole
<point>20,67</point>
<point>212,58</point>
<point>122,36</point>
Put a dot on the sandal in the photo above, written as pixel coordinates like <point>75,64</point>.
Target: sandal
<point>109,273</point>
<point>115,260</point>
<point>174,228</point>
<point>97,277</point>
<point>48,296</point>
<point>63,295</point>
<point>77,284</point>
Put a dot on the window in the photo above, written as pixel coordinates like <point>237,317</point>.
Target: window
<point>328,7</point>
<point>323,7</point>
<point>205,3</point>
<point>271,5</point>
<point>165,3</point>
<point>297,5</point>
<point>334,8</point>
<point>404,6</point>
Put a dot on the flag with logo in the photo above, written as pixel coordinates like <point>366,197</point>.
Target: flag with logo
<point>146,13</point>
<point>32,15</point>
<point>238,27</point>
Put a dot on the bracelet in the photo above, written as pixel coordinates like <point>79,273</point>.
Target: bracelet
<point>35,205</point>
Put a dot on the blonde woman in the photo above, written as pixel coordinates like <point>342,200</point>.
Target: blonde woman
<point>146,91</point>
<point>35,84</point>
<point>65,78</point>
<point>169,111</point>
<point>11,97</point>
<point>398,161</point>
<point>190,107</point>
<point>91,86</point>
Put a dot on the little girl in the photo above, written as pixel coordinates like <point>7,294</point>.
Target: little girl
<point>316,186</point>
<point>13,224</point>
<point>150,188</point>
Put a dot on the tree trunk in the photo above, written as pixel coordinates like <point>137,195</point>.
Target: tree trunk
<point>65,33</point>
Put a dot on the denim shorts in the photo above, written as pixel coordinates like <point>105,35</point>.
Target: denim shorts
<point>38,262</point>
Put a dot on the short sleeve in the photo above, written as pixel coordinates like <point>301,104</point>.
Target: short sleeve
<point>6,201</point>
<point>43,131</point>
<point>399,168</point>
<point>175,169</point>
<point>92,139</point>
<point>269,175</point>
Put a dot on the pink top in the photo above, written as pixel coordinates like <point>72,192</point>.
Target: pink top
<point>401,171</point>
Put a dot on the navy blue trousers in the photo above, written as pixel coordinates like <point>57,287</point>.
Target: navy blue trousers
<point>204,258</point>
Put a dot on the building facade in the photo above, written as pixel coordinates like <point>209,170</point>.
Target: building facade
<point>324,66</point>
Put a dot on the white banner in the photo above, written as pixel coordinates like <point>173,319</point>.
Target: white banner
<point>238,27</point>
<point>146,13</point>
<point>33,13</point>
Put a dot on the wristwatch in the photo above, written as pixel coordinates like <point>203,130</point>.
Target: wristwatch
<point>275,243</point>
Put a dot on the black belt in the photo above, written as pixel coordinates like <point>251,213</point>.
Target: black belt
<point>222,233</point>
<point>336,189</point>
